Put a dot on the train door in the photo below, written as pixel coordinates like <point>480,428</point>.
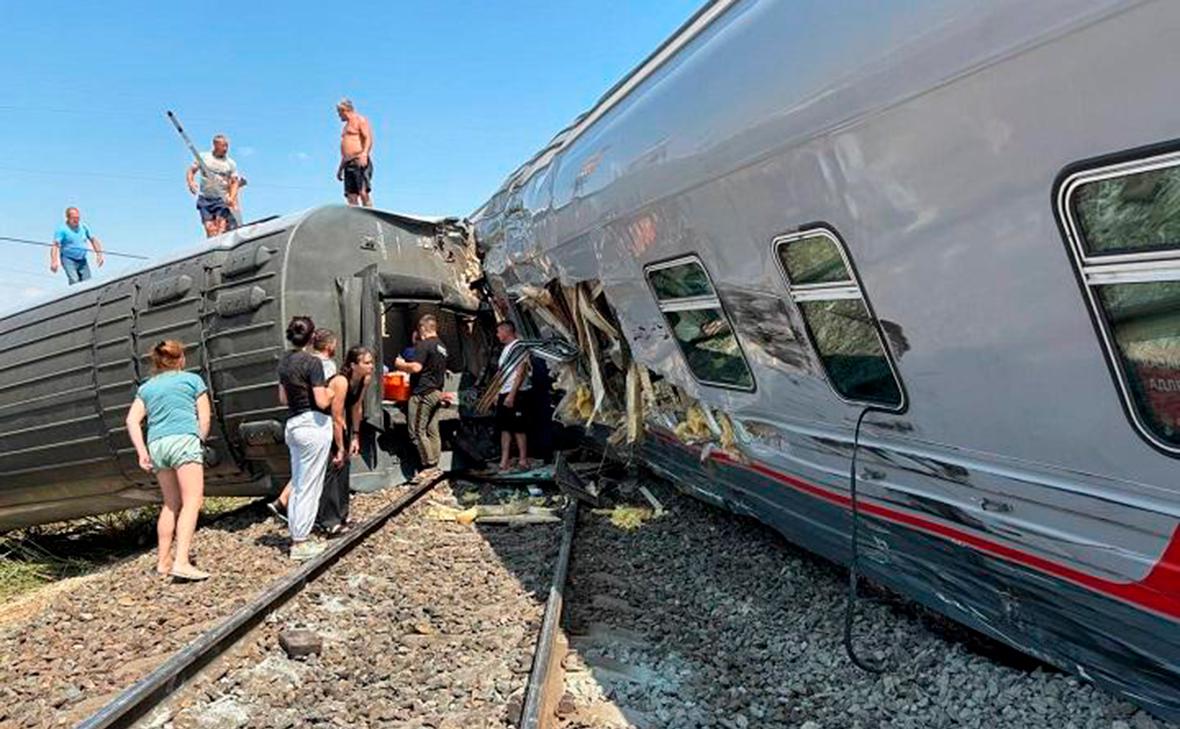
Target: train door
<point>371,337</point>
<point>377,468</point>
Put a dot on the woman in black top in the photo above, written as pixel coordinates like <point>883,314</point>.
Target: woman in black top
<point>347,386</point>
<point>308,433</point>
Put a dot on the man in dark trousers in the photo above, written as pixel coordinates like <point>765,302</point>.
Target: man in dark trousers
<point>428,373</point>
<point>356,155</point>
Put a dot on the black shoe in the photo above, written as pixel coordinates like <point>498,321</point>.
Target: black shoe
<point>276,508</point>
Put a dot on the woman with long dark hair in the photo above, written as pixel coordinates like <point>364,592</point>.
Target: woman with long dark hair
<point>347,386</point>
<point>308,434</point>
<point>176,405</point>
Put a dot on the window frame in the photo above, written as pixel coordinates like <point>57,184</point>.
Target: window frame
<point>852,289</point>
<point>1079,175</point>
<point>1092,270</point>
<point>697,303</point>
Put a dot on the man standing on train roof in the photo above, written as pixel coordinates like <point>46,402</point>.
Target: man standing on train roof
<point>69,248</point>
<point>218,194</point>
<point>356,160</point>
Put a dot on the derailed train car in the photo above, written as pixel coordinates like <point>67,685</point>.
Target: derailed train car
<point>69,367</point>
<point>938,242</point>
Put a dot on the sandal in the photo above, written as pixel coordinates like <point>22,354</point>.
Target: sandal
<point>193,575</point>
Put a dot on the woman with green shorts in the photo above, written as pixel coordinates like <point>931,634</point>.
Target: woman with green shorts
<point>176,405</point>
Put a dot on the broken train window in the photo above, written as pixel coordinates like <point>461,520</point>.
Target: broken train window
<point>1122,225</point>
<point>839,322</point>
<point>699,324</point>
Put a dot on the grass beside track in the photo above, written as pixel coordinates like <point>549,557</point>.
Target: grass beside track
<point>37,556</point>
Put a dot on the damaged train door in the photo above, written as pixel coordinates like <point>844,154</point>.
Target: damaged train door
<point>376,468</point>
<point>392,305</point>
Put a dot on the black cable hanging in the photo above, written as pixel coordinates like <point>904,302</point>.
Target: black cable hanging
<point>44,244</point>
<point>850,607</point>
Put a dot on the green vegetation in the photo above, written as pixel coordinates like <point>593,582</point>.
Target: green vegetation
<point>851,350</point>
<point>30,558</point>
<point>814,260</point>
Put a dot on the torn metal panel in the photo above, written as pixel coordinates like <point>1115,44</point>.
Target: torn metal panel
<point>770,330</point>
<point>1007,400</point>
<point>577,479</point>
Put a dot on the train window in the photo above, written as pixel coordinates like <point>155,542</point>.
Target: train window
<point>684,280</point>
<point>699,324</point>
<point>1145,321</point>
<point>837,317</point>
<point>1124,213</point>
<point>1122,225</point>
<point>815,259</point>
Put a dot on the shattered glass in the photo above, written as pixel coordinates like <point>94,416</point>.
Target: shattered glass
<point>813,260</point>
<point>1130,213</point>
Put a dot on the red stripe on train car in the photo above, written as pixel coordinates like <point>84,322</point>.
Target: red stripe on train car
<point>1158,592</point>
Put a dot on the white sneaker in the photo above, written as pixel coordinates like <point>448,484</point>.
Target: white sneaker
<point>307,549</point>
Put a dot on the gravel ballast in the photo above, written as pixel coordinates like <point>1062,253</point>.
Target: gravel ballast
<point>705,619</point>
<point>78,648</point>
<point>698,618</point>
<point>427,623</point>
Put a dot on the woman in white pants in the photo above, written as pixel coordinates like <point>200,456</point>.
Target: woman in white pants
<point>303,389</point>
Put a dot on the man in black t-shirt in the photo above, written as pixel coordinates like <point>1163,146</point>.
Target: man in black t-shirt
<point>428,372</point>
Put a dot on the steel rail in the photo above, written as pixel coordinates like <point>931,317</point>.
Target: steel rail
<point>537,696</point>
<point>136,700</point>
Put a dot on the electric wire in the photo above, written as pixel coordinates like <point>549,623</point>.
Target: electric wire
<point>860,662</point>
<point>140,178</point>
<point>44,244</point>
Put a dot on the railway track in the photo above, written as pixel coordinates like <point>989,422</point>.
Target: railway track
<point>703,619</point>
<point>404,590</point>
<point>694,619</point>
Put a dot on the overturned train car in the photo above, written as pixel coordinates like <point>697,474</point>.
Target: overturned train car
<point>940,240</point>
<point>69,367</point>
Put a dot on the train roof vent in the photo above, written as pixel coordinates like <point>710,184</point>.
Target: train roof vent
<point>246,259</point>
<point>169,289</point>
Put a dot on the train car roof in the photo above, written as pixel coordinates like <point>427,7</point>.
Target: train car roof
<point>691,28</point>
<point>250,231</point>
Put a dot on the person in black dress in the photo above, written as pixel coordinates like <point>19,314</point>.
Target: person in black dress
<point>347,386</point>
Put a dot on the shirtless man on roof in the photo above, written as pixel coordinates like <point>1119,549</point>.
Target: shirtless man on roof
<point>356,162</point>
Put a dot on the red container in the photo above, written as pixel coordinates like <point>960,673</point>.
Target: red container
<point>396,386</point>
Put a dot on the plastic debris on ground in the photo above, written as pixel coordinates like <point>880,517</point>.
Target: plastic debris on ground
<point>627,517</point>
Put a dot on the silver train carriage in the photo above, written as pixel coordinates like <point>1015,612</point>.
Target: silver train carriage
<point>954,224</point>
<point>69,367</point>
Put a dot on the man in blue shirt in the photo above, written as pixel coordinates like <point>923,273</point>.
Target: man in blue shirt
<point>69,248</point>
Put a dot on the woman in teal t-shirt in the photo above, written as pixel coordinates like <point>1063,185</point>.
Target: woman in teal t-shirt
<point>176,405</point>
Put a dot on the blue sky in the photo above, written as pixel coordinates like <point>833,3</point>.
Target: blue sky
<point>459,94</point>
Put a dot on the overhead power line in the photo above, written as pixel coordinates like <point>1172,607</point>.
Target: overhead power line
<point>43,244</point>
<point>139,178</point>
